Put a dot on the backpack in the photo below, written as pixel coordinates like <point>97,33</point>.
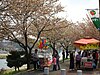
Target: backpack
<point>78,57</point>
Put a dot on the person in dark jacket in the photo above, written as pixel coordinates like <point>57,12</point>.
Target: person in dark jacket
<point>78,60</point>
<point>57,61</point>
<point>96,58</point>
<point>71,61</point>
<point>63,55</point>
<point>67,53</point>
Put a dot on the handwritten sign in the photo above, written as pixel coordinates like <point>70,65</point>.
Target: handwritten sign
<point>88,64</point>
<point>89,46</point>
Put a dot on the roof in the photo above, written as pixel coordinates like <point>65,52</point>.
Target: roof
<point>87,41</point>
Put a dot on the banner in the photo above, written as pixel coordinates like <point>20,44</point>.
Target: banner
<point>96,22</point>
<point>94,15</point>
<point>89,46</point>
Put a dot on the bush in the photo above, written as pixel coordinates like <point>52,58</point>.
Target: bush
<point>15,59</point>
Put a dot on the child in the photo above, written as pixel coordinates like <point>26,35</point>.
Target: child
<point>54,63</point>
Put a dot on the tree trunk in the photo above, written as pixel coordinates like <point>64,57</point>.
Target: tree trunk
<point>67,52</point>
<point>18,68</point>
<point>28,65</point>
<point>55,52</point>
<point>15,68</point>
<point>28,62</point>
<point>26,50</point>
<point>28,59</point>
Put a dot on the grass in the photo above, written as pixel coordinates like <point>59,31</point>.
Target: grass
<point>7,72</point>
<point>10,72</point>
<point>3,56</point>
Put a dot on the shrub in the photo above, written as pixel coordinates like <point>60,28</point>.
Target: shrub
<point>16,59</point>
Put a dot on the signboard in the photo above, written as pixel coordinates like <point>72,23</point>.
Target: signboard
<point>88,64</point>
<point>89,46</point>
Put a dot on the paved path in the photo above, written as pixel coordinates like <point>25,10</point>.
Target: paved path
<point>64,65</point>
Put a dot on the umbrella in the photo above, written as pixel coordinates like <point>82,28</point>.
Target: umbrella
<point>87,43</point>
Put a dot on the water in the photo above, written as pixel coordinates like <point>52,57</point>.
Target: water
<point>3,64</point>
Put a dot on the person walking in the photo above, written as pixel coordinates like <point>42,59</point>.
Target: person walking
<point>78,60</point>
<point>63,55</point>
<point>71,61</point>
<point>57,61</point>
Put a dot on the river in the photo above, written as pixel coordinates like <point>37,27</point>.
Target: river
<point>3,64</point>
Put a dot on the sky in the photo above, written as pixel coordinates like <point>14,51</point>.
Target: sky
<point>75,10</point>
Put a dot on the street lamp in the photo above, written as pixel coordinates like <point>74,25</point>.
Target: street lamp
<point>99,8</point>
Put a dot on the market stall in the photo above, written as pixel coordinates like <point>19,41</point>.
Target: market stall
<point>44,62</point>
<point>44,56</point>
<point>87,44</point>
<point>45,59</point>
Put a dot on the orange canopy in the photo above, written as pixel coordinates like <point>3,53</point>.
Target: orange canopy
<point>86,41</point>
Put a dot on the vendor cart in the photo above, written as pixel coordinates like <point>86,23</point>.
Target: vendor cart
<point>87,44</point>
<point>44,61</point>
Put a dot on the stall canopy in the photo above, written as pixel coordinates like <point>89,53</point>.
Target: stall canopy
<point>87,43</point>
